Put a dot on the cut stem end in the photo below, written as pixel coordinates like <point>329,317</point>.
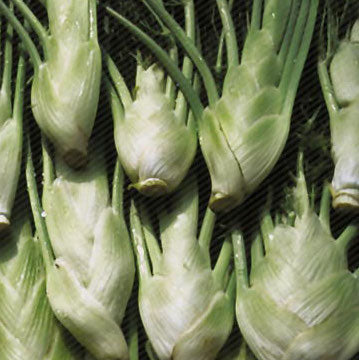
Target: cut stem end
<point>221,202</point>
<point>4,222</point>
<point>346,199</point>
<point>151,187</point>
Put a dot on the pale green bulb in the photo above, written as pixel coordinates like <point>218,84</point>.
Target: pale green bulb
<point>300,300</point>
<point>66,86</point>
<point>155,146</point>
<point>91,280</point>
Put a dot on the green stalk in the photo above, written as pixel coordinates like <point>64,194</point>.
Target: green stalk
<point>37,210</point>
<point>23,34</point>
<point>19,93</point>
<point>289,31</point>
<point>240,262</point>
<point>33,21</point>
<point>296,62</point>
<point>187,67</point>
<point>133,340</point>
<point>119,82</point>
<point>93,19</point>
<point>256,15</point>
<point>153,248</point>
<point>327,90</point>
<point>267,228</point>
<point>170,85</point>
<point>207,227</point>
<point>118,112</point>
<point>48,168</point>
<point>257,252</point>
<point>223,261</point>
<point>139,244</point>
<point>324,213</point>
<point>231,288</point>
<point>117,189</point>
<point>190,48</point>
<point>7,67</point>
<point>294,44</point>
<point>347,236</point>
<point>191,123</point>
<point>230,33</point>
<point>185,86</point>
<point>221,44</point>
<point>173,53</point>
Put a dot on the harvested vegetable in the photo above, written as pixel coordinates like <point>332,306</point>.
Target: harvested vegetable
<point>300,301</point>
<point>339,77</point>
<point>90,280</point>
<point>242,134</point>
<point>186,306</point>
<point>28,328</point>
<point>66,84</point>
<point>10,132</point>
<point>154,131</point>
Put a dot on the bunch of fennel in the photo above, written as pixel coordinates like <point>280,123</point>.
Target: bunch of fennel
<point>155,133</point>
<point>90,280</point>
<point>242,134</point>
<point>66,84</point>
<point>186,307</point>
<point>300,301</point>
<point>10,131</point>
<point>28,328</point>
<point>339,77</point>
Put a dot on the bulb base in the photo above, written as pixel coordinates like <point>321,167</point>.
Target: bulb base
<point>220,202</point>
<point>346,199</point>
<point>152,187</point>
<point>4,222</point>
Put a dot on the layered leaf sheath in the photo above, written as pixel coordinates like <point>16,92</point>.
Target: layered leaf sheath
<point>186,306</point>
<point>339,77</point>
<point>10,133</point>
<point>90,281</point>
<point>243,132</point>
<point>250,123</point>
<point>155,134</point>
<point>155,145</point>
<point>300,301</point>
<point>28,328</point>
<point>66,84</point>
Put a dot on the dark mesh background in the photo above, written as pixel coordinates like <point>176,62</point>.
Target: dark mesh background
<point>318,165</point>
